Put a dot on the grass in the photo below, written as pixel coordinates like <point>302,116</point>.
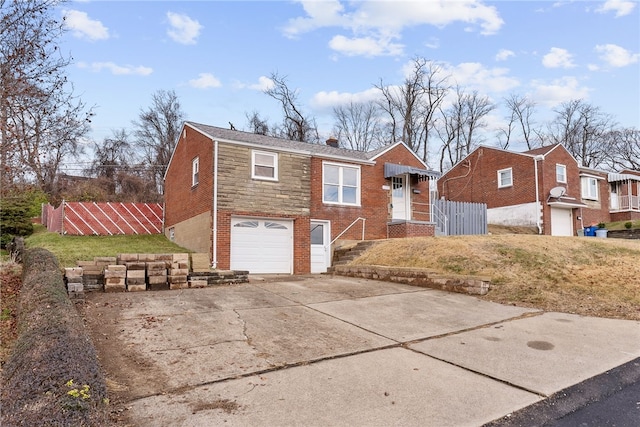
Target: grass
<point>70,249</point>
<point>620,225</point>
<point>589,276</point>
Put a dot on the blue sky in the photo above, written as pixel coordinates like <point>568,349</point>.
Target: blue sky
<point>217,55</point>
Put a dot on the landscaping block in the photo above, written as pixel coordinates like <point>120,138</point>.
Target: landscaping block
<point>136,288</point>
<point>136,265</point>
<point>157,280</point>
<point>146,257</point>
<point>73,272</point>
<point>198,283</point>
<point>159,286</point>
<point>124,258</point>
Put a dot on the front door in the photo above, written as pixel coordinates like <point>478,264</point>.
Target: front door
<point>400,197</point>
<point>320,249</point>
<point>613,197</point>
<point>561,222</point>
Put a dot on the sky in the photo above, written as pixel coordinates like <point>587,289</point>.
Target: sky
<point>218,55</point>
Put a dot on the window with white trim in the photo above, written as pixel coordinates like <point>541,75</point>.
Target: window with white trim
<point>505,178</point>
<point>195,170</point>
<point>561,173</point>
<point>340,184</point>
<point>589,188</point>
<point>264,165</point>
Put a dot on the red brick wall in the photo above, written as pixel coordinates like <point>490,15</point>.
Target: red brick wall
<point>475,179</point>
<point>410,229</point>
<point>374,199</point>
<point>182,201</point>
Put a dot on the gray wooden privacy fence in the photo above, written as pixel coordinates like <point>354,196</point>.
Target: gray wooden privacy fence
<point>459,218</point>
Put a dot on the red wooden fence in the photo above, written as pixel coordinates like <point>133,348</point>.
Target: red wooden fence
<point>103,219</point>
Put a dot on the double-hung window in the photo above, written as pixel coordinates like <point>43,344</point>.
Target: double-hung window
<point>561,173</point>
<point>195,171</point>
<point>340,184</point>
<point>589,188</point>
<point>264,165</point>
<point>505,178</point>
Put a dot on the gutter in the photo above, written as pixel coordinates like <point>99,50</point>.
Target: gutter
<point>535,164</point>
<point>214,255</point>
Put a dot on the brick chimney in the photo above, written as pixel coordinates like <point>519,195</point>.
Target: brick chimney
<point>332,142</point>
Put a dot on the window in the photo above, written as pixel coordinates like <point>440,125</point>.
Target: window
<point>561,173</point>
<point>317,234</point>
<point>264,165</point>
<point>195,169</point>
<point>589,188</point>
<point>247,224</point>
<point>505,178</point>
<point>341,184</point>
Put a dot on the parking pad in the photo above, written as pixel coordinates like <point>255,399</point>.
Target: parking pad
<point>387,387</point>
<point>333,288</point>
<point>411,316</point>
<point>545,353</point>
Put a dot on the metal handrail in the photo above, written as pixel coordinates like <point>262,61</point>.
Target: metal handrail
<point>435,211</point>
<point>346,229</point>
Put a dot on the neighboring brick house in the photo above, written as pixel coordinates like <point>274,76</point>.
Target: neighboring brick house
<point>280,203</point>
<point>625,195</point>
<point>543,188</point>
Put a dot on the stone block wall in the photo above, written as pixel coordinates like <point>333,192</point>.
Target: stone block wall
<point>142,272</point>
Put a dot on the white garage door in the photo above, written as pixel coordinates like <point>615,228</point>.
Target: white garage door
<point>561,222</point>
<point>262,245</point>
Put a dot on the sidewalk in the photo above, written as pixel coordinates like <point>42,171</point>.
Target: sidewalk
<point>325,350</point>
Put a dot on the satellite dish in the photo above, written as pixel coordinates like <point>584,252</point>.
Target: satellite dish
<point>557,192</point>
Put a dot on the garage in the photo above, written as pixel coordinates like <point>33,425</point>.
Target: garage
<point>561,222</point>
<point>262,245</point>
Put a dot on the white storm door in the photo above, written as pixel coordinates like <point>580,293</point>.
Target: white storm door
<point>320,249</point>
<point>561,222</point>
<point>400,197</point>
<point>262,245</point>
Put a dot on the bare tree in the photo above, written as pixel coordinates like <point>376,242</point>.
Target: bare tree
<point>111,158</point>
<point>582,128</point>
<point>358,125</point>
<point>461,122</point>
<point>412,107</point>
<point>157,131</point>
<point>257,124</point>
<point>624,149</point>
<point>40,120</point>
<point>521,111</point>
<point>296,125</point>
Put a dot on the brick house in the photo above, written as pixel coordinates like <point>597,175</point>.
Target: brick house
<point>279,204</point>
<point>543,188</point>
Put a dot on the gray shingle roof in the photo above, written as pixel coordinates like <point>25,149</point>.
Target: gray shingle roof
<point>321,150</point>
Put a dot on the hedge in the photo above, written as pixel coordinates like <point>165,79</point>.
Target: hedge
<point>52,377</point>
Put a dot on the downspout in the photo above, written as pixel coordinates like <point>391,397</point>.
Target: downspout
<point>214,256</point>
<point>535,164</point>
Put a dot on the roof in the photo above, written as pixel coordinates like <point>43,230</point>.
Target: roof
<point>541,151</point>
<point>320,150</point>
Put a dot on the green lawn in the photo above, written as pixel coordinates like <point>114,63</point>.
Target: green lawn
<point>69,249</point>
<point>620,225</point>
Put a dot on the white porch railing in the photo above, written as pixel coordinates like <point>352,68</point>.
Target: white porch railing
<point>627,203</point>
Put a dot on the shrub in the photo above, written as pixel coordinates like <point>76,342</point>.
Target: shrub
<point>52,376</point>
<point>628,225</point>
<point>602,225</point>
<point>15,219</point>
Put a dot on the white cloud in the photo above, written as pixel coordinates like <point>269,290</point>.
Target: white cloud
<point>118,70</point>
<point>327,100</point>
<point>374,24</point>
<point>474,75</point>
<point>205,81</point>
<point>616,56</point>
<point>82,26</point>
<point>365,46</point>
<point>558,58</point>
<point>504,54</point>
<point>184,30</point>
<point>620,7</point>
<point>558,91</point>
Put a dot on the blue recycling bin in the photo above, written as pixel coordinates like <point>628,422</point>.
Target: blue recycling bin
<point>590,231</point>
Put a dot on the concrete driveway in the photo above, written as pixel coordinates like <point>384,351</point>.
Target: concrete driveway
<point>323,350</point>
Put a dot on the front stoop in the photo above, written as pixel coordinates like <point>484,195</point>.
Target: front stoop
<point>472,285</point>
<point>345,255</point>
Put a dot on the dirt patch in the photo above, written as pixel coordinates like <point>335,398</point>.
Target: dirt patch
<point>226,405</point>
<point>10,284</point>
<point>587,276</point>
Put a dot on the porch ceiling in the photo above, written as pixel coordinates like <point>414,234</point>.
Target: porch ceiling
<point>392,169</point>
